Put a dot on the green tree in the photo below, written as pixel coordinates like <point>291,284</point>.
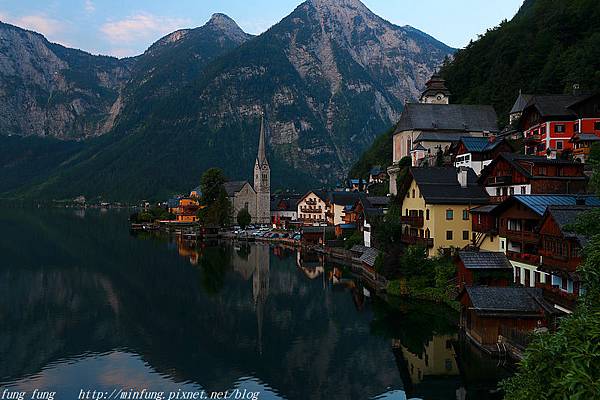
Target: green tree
<point>212,184</point>
<point>216,208</point>
<point>244,218</point>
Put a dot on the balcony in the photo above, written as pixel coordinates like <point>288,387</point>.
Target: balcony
<point>417,240</point>
<point>500,180</point>
<point>555,295</point>
<point>553,261</point>
<point>412,220</point>
<point>311,202</point>
<point>308,210</point>
<point>533,138</point>
<point>520,236</point>
<point>531,259</point>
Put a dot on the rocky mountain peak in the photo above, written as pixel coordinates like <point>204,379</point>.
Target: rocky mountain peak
<point>224,24</point>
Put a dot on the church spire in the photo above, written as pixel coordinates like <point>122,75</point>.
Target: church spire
<point>261,158</point>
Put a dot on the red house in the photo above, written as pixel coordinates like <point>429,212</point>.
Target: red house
<point>550,122</point>
<point>511,174</point>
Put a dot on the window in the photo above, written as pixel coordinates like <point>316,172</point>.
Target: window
<point>597,126</point>
<point>559,128</point>
<point>542,171</point>
<point>449,215</point>
<point>498,192</point>
<point>559,145</point>
<point>465,215</point>
<point>414,196</point>
<point>491,238</point>
<point>449,235</point>
<point>465,235</point>
<point>523,190</point>
<point>427,215</point>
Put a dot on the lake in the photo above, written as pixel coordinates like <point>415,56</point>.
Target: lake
<point>86,305</point>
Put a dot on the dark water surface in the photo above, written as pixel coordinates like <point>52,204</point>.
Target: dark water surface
<point>85,305</point>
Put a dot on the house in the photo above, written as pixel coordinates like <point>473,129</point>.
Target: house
<point>356,185</point>
<point>549,122</point>
<point>187,210</point>
<point>510,174</point>
<point>478,152</point>
<point>433,124</point>
<point>338,203</point>
<point>316,235</point>
<point>173,204</point>
<point>518,224</point>
<point>196,193</point>
<point>561,252</point>
<point>377,175</point>
<point>365,212</point>
<point>312,208</point>
<point>284,210</point>
<point>493,315</point>
<point>483,268</point>
<point>436,205</point>
<point>582,145</point>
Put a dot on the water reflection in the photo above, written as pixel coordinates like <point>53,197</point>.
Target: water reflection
<point>86,304</point>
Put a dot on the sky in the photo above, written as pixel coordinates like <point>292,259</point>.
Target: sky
<point>124,28</point>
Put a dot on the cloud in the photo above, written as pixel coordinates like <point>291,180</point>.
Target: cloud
<point>47,26</point>
<point>141,27</point>
<point>89,6</point>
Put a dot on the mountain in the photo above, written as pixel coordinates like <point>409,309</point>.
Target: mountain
<point>546,48</point>
<point>328,77</point>
<point>51,90</point>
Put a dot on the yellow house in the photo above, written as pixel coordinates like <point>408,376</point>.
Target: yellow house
<point>436,204</point>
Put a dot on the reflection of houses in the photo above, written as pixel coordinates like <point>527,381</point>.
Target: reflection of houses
<point>511,174</point>
<point>310,263</point>
<point>490,315</point>
<point>188,249</point>
<point>427,375</point>
<point>436,204</point>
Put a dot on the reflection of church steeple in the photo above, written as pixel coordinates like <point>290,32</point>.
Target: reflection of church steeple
<point>260,286</point>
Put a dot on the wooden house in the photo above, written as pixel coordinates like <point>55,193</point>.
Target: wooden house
<point>509,174</point>
<point>491,315</point>
<point>478,152</point>
<point>582,145</point>
<point>312,208</point>
<point>483,268</point>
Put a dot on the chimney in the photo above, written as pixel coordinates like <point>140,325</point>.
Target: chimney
<point>462,177</point>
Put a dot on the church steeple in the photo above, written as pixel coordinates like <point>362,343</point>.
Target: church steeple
<point>261,158</point>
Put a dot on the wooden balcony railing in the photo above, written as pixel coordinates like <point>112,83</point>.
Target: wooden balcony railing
<point>531,259</point>
<point>552,260</point>
<point>557,296</point>
<point>500,180</point>
<point>309,210</point>
<point>417,240</point>
<point>415,221</point>
<point>520,236</point>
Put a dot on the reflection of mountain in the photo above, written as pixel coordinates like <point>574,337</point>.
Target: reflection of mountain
<point>87,286</point>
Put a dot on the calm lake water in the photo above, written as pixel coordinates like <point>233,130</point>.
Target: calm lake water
<point>85,305</point>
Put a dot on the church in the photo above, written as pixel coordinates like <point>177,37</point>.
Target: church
<point>256,199</point>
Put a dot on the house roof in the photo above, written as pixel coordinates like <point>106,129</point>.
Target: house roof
<point>488,208</point>
<point>585,137</point>
<point>555,105</point>
<point>520,103</point>
<point>507,299</point>
<point>197,189</point>
<point>321,194</point>
<point>378,201</point>
<point>359,248</point>
<point>376,170</point>
<point>479,144</point>
<point>345,198</point>
<point>484,260</point>
<point>455,117</point>
<point>439,185</point>
<point>173,202</point>
<point>289,203</point>
<point>233,187</point>
<point>419,146</point>
<point>538,203</point>
<point>369,256</point>
<point>519,161</point>
<point>439,136</point>
<point>564,216</point>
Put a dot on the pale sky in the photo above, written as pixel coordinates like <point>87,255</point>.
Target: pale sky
<point>127,27</point>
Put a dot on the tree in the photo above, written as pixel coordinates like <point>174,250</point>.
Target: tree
<point>244,218</point>
<point>216,208</point>
<point>212,184</point>
<point>566,364</point>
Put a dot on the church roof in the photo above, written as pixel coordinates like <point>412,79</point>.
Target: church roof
<point>448,117</point>
<point>233,187</point>
<point>261,158</point>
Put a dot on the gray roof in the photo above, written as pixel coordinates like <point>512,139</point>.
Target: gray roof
<point>484,260</point>
<point>439,185</point>
<point>233,187</point>
<point>378,201</point>
<point>455,117</point>
<point>345,198</point>
<point>506,299</point>
<point>585,137</point>
<point>359,248</point>
<point>440,136</point>
<point>555,105</point>
<point>520,103</point>
<point>485,209</point>
<point>369,256</point>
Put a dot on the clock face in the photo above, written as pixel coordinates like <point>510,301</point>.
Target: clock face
<point>439,97</point>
